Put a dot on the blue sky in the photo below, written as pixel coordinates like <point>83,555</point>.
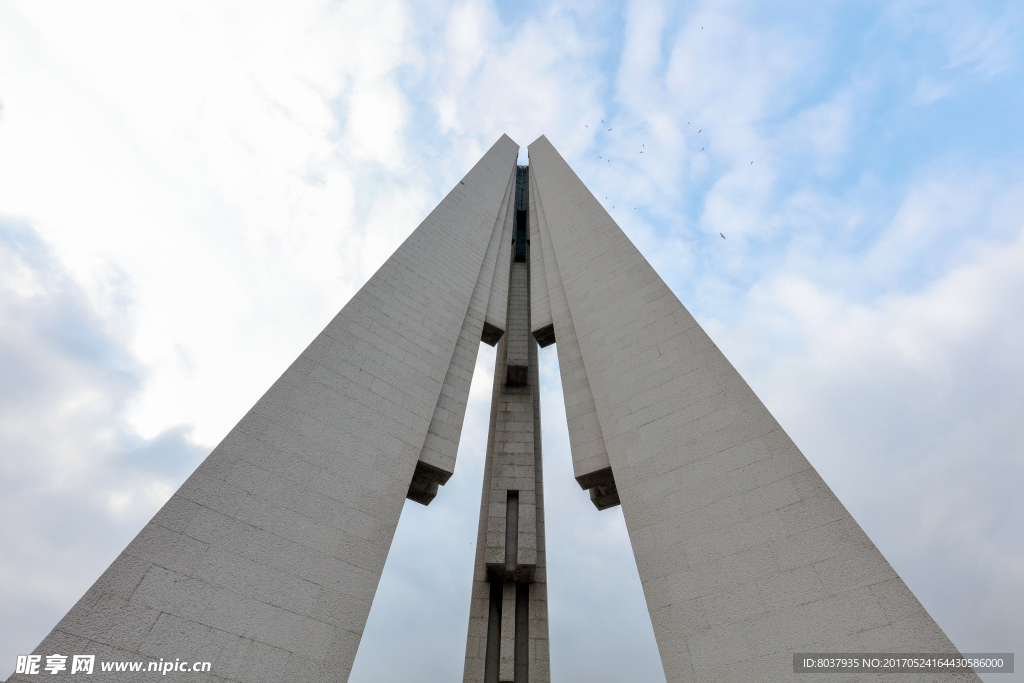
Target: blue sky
<point>189,191</point>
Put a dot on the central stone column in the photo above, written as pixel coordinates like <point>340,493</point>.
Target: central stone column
<point>508,625</point>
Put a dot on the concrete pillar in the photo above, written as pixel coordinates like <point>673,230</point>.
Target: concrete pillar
<point>508,631</point>
<point>267,559</point>
<point>745,555</point>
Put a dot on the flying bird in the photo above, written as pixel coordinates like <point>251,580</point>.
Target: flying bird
<point>461,183</point>
<point>609,129</point>
<point>723,236</point>
<point>702,149</point>
<point>700,129</point>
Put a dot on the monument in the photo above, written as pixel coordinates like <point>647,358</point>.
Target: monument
<point>265,562</point>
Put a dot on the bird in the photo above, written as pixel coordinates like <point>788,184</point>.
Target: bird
<point>461,183</point>
<point>609,129</point>
<point>702,149</point>
<point>700,129</point>
<point>723,236</point>
<point>609,161</point>
<point>602,120</point>
<point>600,157</point>
<point>751,163</point>
<point>641,151</point>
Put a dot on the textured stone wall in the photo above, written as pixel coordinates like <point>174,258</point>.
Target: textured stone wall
<point>507,639</point>
<point>589,455</point>
<point>442,442</point>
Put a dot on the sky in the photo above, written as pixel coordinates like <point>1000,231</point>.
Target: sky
<point>190,190</point>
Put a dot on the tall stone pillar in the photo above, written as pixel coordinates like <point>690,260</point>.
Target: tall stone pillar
<point>265,562</point>
<point>508,628</point>
<point>745,554</point>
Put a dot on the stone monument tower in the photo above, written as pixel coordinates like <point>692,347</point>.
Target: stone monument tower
<point>265,562</point>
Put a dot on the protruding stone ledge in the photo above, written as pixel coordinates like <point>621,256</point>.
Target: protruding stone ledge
<point>491,334</point>
<point>603,492</point>
<point>545,336</point>
<point>425,481</point>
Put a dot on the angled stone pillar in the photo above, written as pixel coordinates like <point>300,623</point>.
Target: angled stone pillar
<point>265,562</point>
<point>745,554</point>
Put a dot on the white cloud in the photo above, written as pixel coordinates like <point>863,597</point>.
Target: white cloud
<point>984,37</point>
<point>904,404</point>
<point>76,482</point>
<point>525,82</point>
<point>199,146</point>
<point>929,89</point>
